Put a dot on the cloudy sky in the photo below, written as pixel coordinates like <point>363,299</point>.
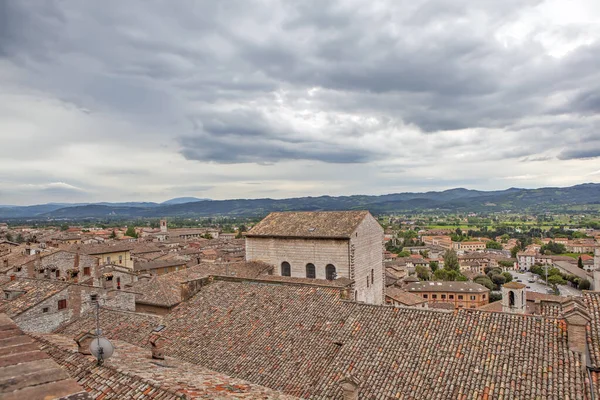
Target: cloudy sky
<point>149,100</point>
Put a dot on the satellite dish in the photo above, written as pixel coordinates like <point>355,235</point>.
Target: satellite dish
<point>101,348</point>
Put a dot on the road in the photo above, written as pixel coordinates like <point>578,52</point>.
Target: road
<point>539,285</point>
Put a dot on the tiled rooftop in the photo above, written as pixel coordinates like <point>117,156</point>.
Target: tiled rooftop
<point>26,373</point>
<point>165,290</point>
<point>34,291</point>
<point>314,224</point>
<point>403,297</point>
<point>131,373</point>
<point>302,340</point>
<point>119,325</point>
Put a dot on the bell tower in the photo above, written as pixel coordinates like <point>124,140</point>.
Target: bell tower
<point>513,298</point>
<point>163,225</point>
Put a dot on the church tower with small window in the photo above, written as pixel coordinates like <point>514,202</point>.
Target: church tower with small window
<point>513,298</point>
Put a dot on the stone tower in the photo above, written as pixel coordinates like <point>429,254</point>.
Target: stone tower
<point>513,298</point>
<point>163,225</point>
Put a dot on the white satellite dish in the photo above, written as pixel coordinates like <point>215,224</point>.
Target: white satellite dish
<point>101,348</point>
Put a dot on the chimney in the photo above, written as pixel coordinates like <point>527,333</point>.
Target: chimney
<point>577,320</point>
<point>83,341</point>
<point>350,387</point>
<point>157,342</point>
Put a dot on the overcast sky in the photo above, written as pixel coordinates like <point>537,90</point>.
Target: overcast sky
<point>149,100</point>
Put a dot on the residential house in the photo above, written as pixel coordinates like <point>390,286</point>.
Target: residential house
<point>458,294</point>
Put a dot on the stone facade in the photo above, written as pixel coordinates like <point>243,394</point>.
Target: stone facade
<point>70,303</point>
<point>359,257</point>
<point>61,265</point>
<point>596,272</point>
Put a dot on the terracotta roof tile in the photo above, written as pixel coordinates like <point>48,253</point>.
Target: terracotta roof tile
<point>313,224</point>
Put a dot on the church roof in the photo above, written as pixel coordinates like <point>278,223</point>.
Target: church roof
<point>312,224</point>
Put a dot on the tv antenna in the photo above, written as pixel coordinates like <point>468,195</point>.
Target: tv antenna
<point>100,347</point>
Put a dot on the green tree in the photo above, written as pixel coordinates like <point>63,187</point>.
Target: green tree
<point>507,276</point>
<point>553,248</point>
<point>451,261</point>
<point>19,238</point>
<point>498,280</point>
<point>64,227</point>
<point>514,251</point>
<point>9,237</point>
<point>434,265</point>
<point>556,280</point>
<point>131,232</point>
<point>584,284</point>
<point>485,281</point>
<point>492,244</point>
<point>580,263</point>
<point>422,273</point>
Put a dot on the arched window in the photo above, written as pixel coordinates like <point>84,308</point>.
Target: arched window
<point>511,298</point>
<point>330,272</point>
<point>286,269</point>
<point>311,271</point>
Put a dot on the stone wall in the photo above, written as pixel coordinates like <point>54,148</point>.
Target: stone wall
<point>366,254</point>
<point>45,316</point>
<point>58,266</point>
<point>299,252</point>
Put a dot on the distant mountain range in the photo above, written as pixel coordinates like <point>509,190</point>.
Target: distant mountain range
<point>574,198</point>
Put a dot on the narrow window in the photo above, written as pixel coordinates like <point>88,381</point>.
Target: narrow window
<point>118,282</point>
<point>460,296</point>
<point>45,309</point>
<point>511,298</point>
<point>86,271</point>
<point>472,297</point>
<point>286,269</point>
<point>451,296</point>
<point>62,304</point>
<point>367,281</point>
<point>330,272</point>
<point>311,271</point>
<point>58,273</point>
<point>372,276</point>
<point>108,260</point>
<point>120,259</point>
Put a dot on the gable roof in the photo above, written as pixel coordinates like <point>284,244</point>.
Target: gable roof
<point>302,340</point>
<point>28,373</point>
<point>309,224</point>
<point>35,291</point>
<point>131,374</point>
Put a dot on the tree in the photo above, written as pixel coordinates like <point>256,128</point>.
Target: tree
<point>499,280</point>
<point>556,280</point>
<point>9,237</point>
<point>434,265</point>
<point>459,232</point>
<point>584,284</point>
<point>553,248</point>
<point>64,227</point>
<point>131,232</point>
<point>422,273</point>
<point>451,261</point>
<point>580,263</point>
<point>514,251</point>
<point>508,276</point>
<point>485,281</point>
<point>19,238</point>
<point>113,234</point>
<point>492,244</point>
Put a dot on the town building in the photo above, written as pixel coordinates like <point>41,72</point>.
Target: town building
<point>457,294</point>
<point>118,254</point>
<point>323,245</point>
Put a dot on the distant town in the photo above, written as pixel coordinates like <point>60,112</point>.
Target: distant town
<point>332,288</point>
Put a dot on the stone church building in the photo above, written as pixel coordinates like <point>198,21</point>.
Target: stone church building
<point>323,245</point>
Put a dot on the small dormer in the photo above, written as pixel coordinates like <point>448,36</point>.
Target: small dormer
<point>11,294</point>
<point>575,313</point>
